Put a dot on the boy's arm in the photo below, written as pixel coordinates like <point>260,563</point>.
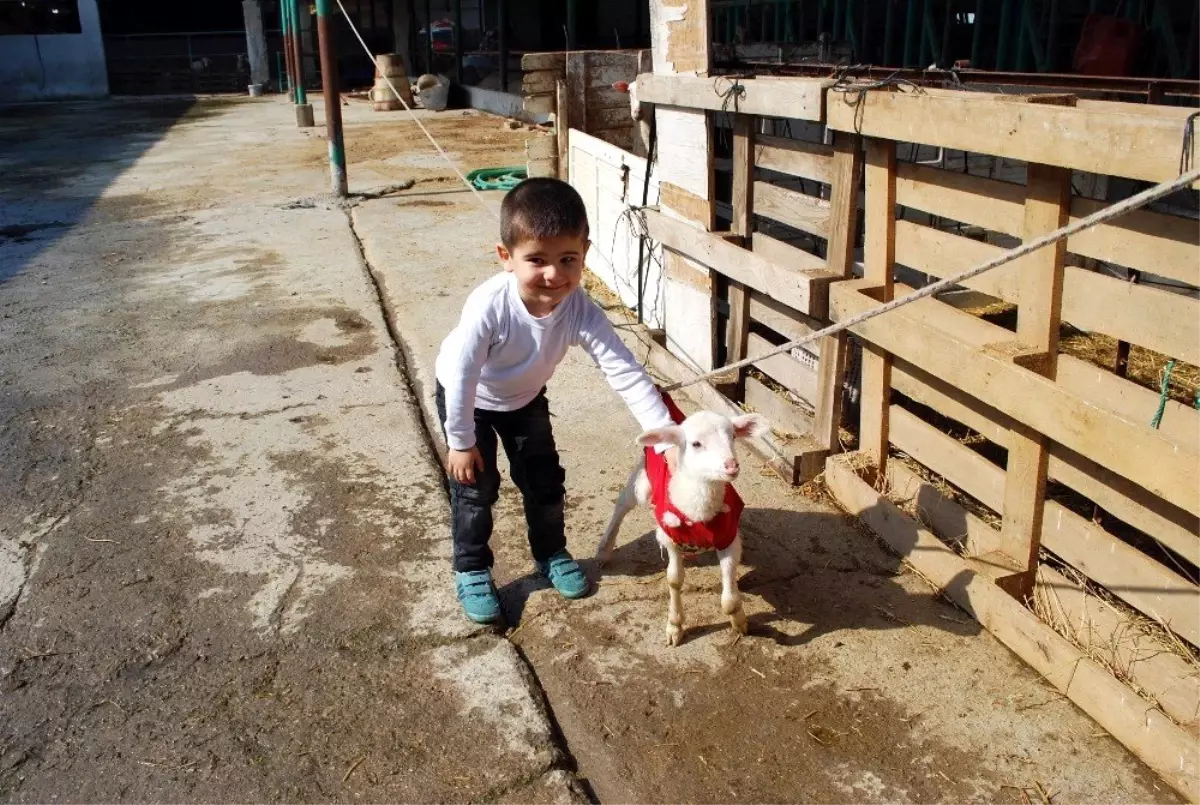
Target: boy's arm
<point>467,365</point>
<point>621,369</point>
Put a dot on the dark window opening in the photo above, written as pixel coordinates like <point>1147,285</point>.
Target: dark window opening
<point>37,17</point>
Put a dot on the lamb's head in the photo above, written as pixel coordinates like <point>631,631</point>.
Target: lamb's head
<point>706,443</point>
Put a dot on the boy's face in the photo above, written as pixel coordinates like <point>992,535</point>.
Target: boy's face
<point>547,270</point>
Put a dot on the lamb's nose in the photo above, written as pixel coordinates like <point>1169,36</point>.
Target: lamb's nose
<point>731,466</point>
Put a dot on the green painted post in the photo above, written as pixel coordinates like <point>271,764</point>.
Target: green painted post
<point>944,52</point>
<point>294,15</point>
<point>333,100</point>
<point>910,34</point>
<point>977,35</point>
<point>285,32</point>
<point>1024,32</point>
<point>1004,34</point>
<point>1051,53</point>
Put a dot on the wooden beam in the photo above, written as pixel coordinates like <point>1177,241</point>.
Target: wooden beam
<point>781,318</point>
<point>793,288</point>
<point>879,268</point>
<point>786,417</point>
<point>935,337</point>
<point>687,204</point>
<point>797,210</point>
<point>1085,138</point>
<point>562,128</point>
<point>1150,735</point>
<point>786,255</point>
<point>742,224</point>
<point>785,369</point>
<point>843,227</point>
<point>802,98</point>
<point>795,157</point>
<point>1039,315</point>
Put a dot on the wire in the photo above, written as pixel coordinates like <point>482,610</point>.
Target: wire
<point>478,196</point>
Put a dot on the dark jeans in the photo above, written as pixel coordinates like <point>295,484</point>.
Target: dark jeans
<point>529,444</point>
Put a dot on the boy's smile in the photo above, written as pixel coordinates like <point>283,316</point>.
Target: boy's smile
<point>547,269</point>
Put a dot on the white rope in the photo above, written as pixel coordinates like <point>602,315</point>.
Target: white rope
<point>1108,213</point>
<point>478,196</point>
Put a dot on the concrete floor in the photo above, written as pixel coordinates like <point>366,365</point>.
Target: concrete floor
<point>223,538</point>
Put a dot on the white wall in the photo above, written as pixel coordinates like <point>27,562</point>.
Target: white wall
<point>70,66</point>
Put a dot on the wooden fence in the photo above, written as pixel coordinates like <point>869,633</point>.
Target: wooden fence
<point>1017,448</point>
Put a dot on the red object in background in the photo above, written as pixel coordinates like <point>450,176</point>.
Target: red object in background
<point>621,86</point>
<point>1107,46</point>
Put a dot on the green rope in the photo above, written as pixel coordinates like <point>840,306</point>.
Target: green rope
<point>496,178</point>
<point>1163,394</point>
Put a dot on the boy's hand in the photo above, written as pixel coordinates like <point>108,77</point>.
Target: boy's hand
<point>461,464</point>
<point>671,456</point>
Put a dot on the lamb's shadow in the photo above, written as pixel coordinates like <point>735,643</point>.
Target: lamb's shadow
<point>813,569</point>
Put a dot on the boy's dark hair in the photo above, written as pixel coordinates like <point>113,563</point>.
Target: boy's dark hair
<point>541,208</point>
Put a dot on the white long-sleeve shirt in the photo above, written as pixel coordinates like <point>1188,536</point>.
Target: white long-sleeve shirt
<point>500,356</point>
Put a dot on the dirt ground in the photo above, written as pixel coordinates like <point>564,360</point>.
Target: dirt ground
<point>224,544</point>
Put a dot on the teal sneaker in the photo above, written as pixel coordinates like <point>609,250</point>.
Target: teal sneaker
<point>565,574</point>
<point>477,594</point>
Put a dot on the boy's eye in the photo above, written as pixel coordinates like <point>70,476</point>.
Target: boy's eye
<point>537,261</point>
<point>568,261</point>
<point>697,445</point>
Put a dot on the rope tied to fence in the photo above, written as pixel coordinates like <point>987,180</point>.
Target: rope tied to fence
<point>854,91</point>
<point>1078,225</point>
<point>735,93</point>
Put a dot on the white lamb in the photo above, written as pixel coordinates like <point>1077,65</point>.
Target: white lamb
<point>696,508</point>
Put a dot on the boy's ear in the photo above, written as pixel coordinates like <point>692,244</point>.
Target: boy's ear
<point>505,256</point>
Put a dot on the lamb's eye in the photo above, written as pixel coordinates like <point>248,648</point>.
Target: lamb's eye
<point>697,445</point>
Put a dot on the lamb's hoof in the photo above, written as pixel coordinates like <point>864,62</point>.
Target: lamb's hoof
<point>738,621</point>
<point>674,635</point>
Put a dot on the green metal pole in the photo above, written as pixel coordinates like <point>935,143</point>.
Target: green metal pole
<point>1024,31</point>
<point>298,47</point>
<point>944,59</point>
<point>926,51</point>
<point>910,34</point>
<point>1004,34</point>
<point>333,100</point>
<point>977,35</point>
<point>572,22</point>
<point>285,31</point>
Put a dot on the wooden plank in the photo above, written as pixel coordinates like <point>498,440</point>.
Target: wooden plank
<point>1124,499</point>
<point>686,204</point>
<point>843,226</point>
<point>1039,315</point>
<point>785,369</point>
<point>738,330</point>
<point>1085,138</point>
<point>801,98</point>
<point>543,61</point>
<point>1149,241</point>
<point>684,150</point>
<point>795,157</point>
<point>961,466</point>
<point>562,128</point>
<point>679,34</point>
<point>789,323</point>
<point>933,251</point>
<point>989,203</point>
<point>949,520</point>
<point>1161,675</point>
<point>928,336</point>
<point>1127,399</point>
<point>806,213</point>
<point>786,417</point>
<point>793,288</point>
<point>878,265</point>
<point>1161,744</point>
<point>540,82</point>
<point>786,255</point>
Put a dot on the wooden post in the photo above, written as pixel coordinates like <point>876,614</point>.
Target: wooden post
<point>562,125</point>
<point>738,331</point>
<point>879,258</point>
<point>843,224</point>
<point>1047,207</point>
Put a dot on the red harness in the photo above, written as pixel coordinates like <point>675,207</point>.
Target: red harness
<point>691,537</point>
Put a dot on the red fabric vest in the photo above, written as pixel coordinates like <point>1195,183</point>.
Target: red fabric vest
<point>691,537</point>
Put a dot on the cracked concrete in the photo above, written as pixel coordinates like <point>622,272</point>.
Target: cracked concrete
<point>223,541</point>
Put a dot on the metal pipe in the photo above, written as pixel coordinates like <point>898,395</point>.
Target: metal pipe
<point>502,41</point>
<point>889,31</point>
<point>333,99</point>
<point>910,35</point>
<point>285,29</point>
<point>298,48</point>
<point>458,41</point>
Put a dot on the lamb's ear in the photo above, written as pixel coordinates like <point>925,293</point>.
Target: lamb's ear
<point>748,425</point>
<point>671,434</point>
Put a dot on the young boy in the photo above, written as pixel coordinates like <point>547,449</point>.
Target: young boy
<point>492,372</point>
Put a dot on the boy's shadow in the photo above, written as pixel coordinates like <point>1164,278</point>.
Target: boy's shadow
<point>813,569</point>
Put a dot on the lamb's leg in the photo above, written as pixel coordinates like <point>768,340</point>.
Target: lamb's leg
<point>731,596</point>
<point>674,590</point>
<point>626,502</point>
